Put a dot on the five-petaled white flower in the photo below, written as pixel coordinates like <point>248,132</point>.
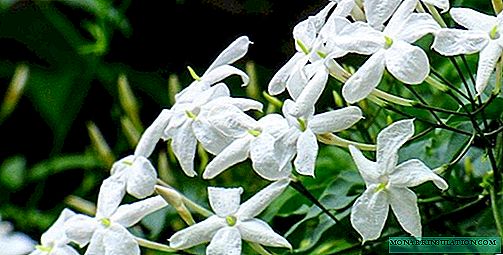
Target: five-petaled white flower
<point>379,11</point>
<point>483,36</point>
<point>388,184</point>
<point>391,49</point>
<point>54,240</point>
<point>233,222</point>
<point>106,233</point>
<point>307,125</point>
<point>14,243</point>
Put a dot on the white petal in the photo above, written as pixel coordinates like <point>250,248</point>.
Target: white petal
<point>122,165</point>
<point>236,152</point>
<point>404,205</point>
<point>304,33</point>
<point>265,160</point>
<point>227,241</point>
<point>472,19</point>
<point>307,150</point>
<point>189,93</point>
<point>344,8</point>
<point>258,231</point>
<point>80,229</point>
<point>129,214</point>
<point>367,168</point>
<point>389,140</point>
<point>56,233</point>
<point>298,79</point>
<point>442,4</point>
<point>118,241</point>
<point>312,92</point>
<point>450,42</point>
<point>210,138</point>
<point>378,11</point>
<point>236,50</point>
<point>416,26</point>
<point>278,81</point>
<point>225,201</point>
<point>396,23</point>
<point>368,76</point>
<point>230,120</point>
<point>335,121</point>
<point>245,104</point>
<point>414,172</point>
<point>141,178</point>
<point>199,233</point>
<point>222,72</point>
<point>487,61</point>
<point>64,250</point>
<point>184,147</point>
<point>96,245</point>
<point>369,213</point>
<point>112,191</point>
<point>408,63</point>
<point>359,37</point>
<point>152,134</point>
<point>16,244</point>
<point>256,204</point>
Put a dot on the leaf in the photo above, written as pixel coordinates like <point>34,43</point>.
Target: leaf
<point>63,163</point>
<point>13,171</point>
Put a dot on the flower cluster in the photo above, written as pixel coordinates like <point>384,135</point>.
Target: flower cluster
<point>205,112</point>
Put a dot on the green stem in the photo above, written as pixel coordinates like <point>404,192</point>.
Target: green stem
<point>189,203</point>
<point>332,139</point>
<point>436,16</point>
<point>392,98</point>
<point>499,71</point>
<point>495,209</point>
<point>259,249</point>
<point>153,245</point>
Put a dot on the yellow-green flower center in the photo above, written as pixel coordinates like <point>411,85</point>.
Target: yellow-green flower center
<point>321,54</point>
<point>43,248</point>
<point>302,47</point>
<point>106,222</point>
<point>387,42</point>
<point>254,132</point>
<point>493,34</point>
<point>191,115</point>
<point>302,124</point>
<point>193,74</point>
<point>231,220</point>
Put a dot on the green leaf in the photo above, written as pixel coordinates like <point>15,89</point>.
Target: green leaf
<point>12,172</point>
<point>64,163</point>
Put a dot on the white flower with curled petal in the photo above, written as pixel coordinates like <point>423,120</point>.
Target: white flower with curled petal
<point>233,222</point>
<point>388,184</point>
<point>106,233</point>
<point>379,11</point>
<point>220,69</point>
<point>252,139</point>
<point>483,35</point>
<point>390,49</point>
<point>14,243</point>
<point>307,125</point>
<point>54,240</point>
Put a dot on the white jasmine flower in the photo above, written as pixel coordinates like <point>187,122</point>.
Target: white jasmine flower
<point>14,243</point>
<point>220,69</point>
<point>106,233</point>
<point>388,184</point>
<point>54,240</point>
<point>483,35</point>
<point>252,139</point>
<point>307,125</point>
<point>233,222</point>
<point>379,11</point>
<point>391,49</point>
<point>189,124</point>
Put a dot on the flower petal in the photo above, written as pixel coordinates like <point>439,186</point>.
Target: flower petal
<point>312,92</point>
<point>408,63</point>
<point>96,245</point>
<point>368,76</point>
<point>141,178</point>
<point>64,250</point>
<point>256,204</point>
<point>227,241</point>
<point>224,71</point>
<point>265,158</point>
<point>404,205</point>
<point>450,42</point>
<point>129,214</point>
<point>153,134</point>
<point>210,138</point>
<point>298,79</point>
<point>472,19</point>
<point>225,201</point>
<point>416,26</point>
<point>414,172</point>
<point>367,168</point>
<point>258,231</point>
<point>389,140</point>
<point>236,152</point>
<point>359,37</point>
<point>199,233</point>
<point>80,229</point>
<point>184,147</point>
<point>230,120</point>
<point>236,50</point>
<point>402,13</point>
<point>245,104</point>
<point>279,80</point>
<point>369,213</point>
<point>487,61</point>
<point>117,240</point>
<point>307,150</point>
<point>304,34</point>
<point>378,11</point>
<point>56,233</point>
<point>442,4</point>
<point>112,191</point>
<point>335,121</point>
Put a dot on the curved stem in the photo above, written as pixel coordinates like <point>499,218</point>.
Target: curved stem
<point>153,245</point>
<point>392,98</point>
<point>495,209</point>
<point>259,249</point>
<point>189,203</point>
<point>332,139</point>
